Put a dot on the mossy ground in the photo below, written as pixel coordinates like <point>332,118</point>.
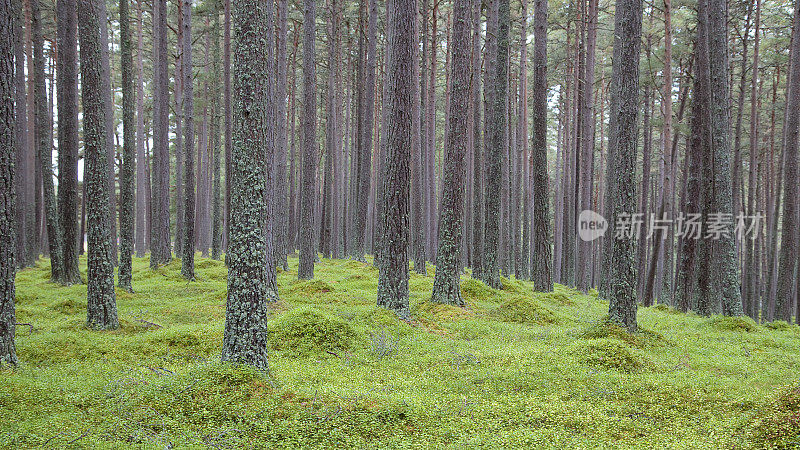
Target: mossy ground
<point>449,378</point>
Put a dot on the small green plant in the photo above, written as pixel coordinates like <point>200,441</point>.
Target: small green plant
<point>737,324</point>
<point>777,424</point>
<point>611,354</point>
<point>524,311</point>
<point>309,330</point>
<point>472,289</point>
<point>778,325</point>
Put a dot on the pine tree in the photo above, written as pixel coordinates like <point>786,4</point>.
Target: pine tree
<point>67,80</point>
<point>393,265</point>
<point>187,259</point>
<point>126,185</point>
<point>216,182</point>
<point>8,246</point>
<point>161,252</point>
<point>249,290</point>
<point>101,298</point>
<point>307,248</point>
<point>446,288</point>
<point>622,267</point>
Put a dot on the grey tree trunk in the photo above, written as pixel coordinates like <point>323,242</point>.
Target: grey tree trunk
<point>308,251</point>
<point>281,138</point>
<point>101,312</point>
<point>418,193</point>
<point>249,288</point>
<point>216,182</point>
<point>788,249</point>
<point>497,124</point>
<point>477,152</point>
<point>446,287</point>
<point>752,276</point>
<point>160,252</point>
<point>541,268</point>
<point>226,86</point>
<point>141,196</point>
<point>393,265</point>
<point>587,125</point>
<point>44,148</point>
<point>8,244</point>
<point>126,185</point>
<point>67,79</point>
<point>187,259</point>
<point>24,255</point>
<point>622,265</point>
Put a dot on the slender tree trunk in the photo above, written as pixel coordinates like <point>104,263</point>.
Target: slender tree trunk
<point>281,190</point>
<point>44,148</point>
<point>307,248</point>
<point>101,298</point>
<point>293,194</point>
<point>8,212</point>
<point>788,249</point>
<point>226,86</point>
<point>418,212</point>
<point>126,210</point>
<point>24,255</point>
<point>477,183</point>
<point>141,202</point>
<point>451,212</point>
<point>180,196</point>
<point>187,260</point>
<point>752,272</point>
<point>160,247</point>
<point>216,188</point>
<point>584,263</point>
<point>108,103</point>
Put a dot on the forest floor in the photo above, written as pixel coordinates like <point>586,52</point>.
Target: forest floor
<point>511,370</point>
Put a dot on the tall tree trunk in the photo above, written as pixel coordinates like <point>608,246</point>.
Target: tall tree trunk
<point>625,105</point>
<point>670,160</point>
<point>44,148</point>
<point>788,249</point>
<point>728,280</point>
<point>541,268</point>
<point>141,202</point>
<point>101,298</point>
<point>393,267</point>
<point>281,188</point>
<point>160,247</point>
<point>451,211</point>
<point>8,212</point>
<point>293,199</point>
<point>308,251</point>
<point>216,188</point>
<point>180,196</point>
<point>249,287</point>
<point>226,86</point>
<point>752,273</point>
<point>477,150</point>
<point>126,210</point>
<point>108,103</point>
<point>24,255</point>
<point>418,191</point>
<point>187,260</point>
<point>523,263</point>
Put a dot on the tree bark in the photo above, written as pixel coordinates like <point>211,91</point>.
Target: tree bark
<point>187,259</point>
<point>281,189</point>
<point>160,252</point>
<point>141,198</point>
<point>127,187</point>
<point>307,248</point>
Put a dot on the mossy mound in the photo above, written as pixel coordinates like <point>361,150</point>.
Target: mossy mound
<point>611,354</point>
<point>310,287</point>
<point>508,285</point>
<point>555,297</point>
<point>520,310</point>
<point>440,312</point>
<point>473,289</point>
<point>606,329</point>
<point>777,424</point>
<point>737,324</point>
<point>778,325</point>
<point>308,330</point>
<point>69,306</point>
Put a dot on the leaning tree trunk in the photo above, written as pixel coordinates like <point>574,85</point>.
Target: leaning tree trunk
<point>67,80</point>
<point>101,298</point>
<point>249,290</point>
<point>44,148</point>
<point>8,245</point>
<point>308,251</point>
<point>393,265</point>
<point>622,264</point>
<point>451,209</point>
<point>126,185</point>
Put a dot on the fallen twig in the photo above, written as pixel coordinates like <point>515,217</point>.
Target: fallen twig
<point>30,331</point>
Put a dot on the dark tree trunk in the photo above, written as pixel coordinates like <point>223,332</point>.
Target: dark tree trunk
<point>393,266</point>
<point>141,196</point>
<point>44,146</point>
<point>451,209</point>
<point>102,302</point>
<point>587,119</point>
<point>67,74</point>
<point>226,86</point>
<point>788,249</point>
<point>418,194</point>
<point>178,116</point>
<point>725,267</point>
<point>249,287</point>
<point>622,265</point>
<point>308,251</point>
<point>8,244</point>
<point>216,182</point>
<point>282,210</point>
<point>160,252</point>
<point>497,126</point>
<point>126,185</point>
<point>752,272</point>
<point>477,149</point>
<point>24,255</point>
<point>187,260</point>
<point>293,188</point>
<point>523,262</point>
<point>541,268</point>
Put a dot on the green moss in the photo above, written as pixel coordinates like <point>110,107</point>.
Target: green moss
<point>305,331</point>
<point>524,311</point>
<point>69,306</point>
<point>310,287</point>
<point>440,312</point>
<point>737,324</point>
<point>508,285</point>
<point>777,424</point>
<point>778,325</point>
<point>555,298</point>
<point>604,328</point>
<point>472,289</point>
<point>611,354</point>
